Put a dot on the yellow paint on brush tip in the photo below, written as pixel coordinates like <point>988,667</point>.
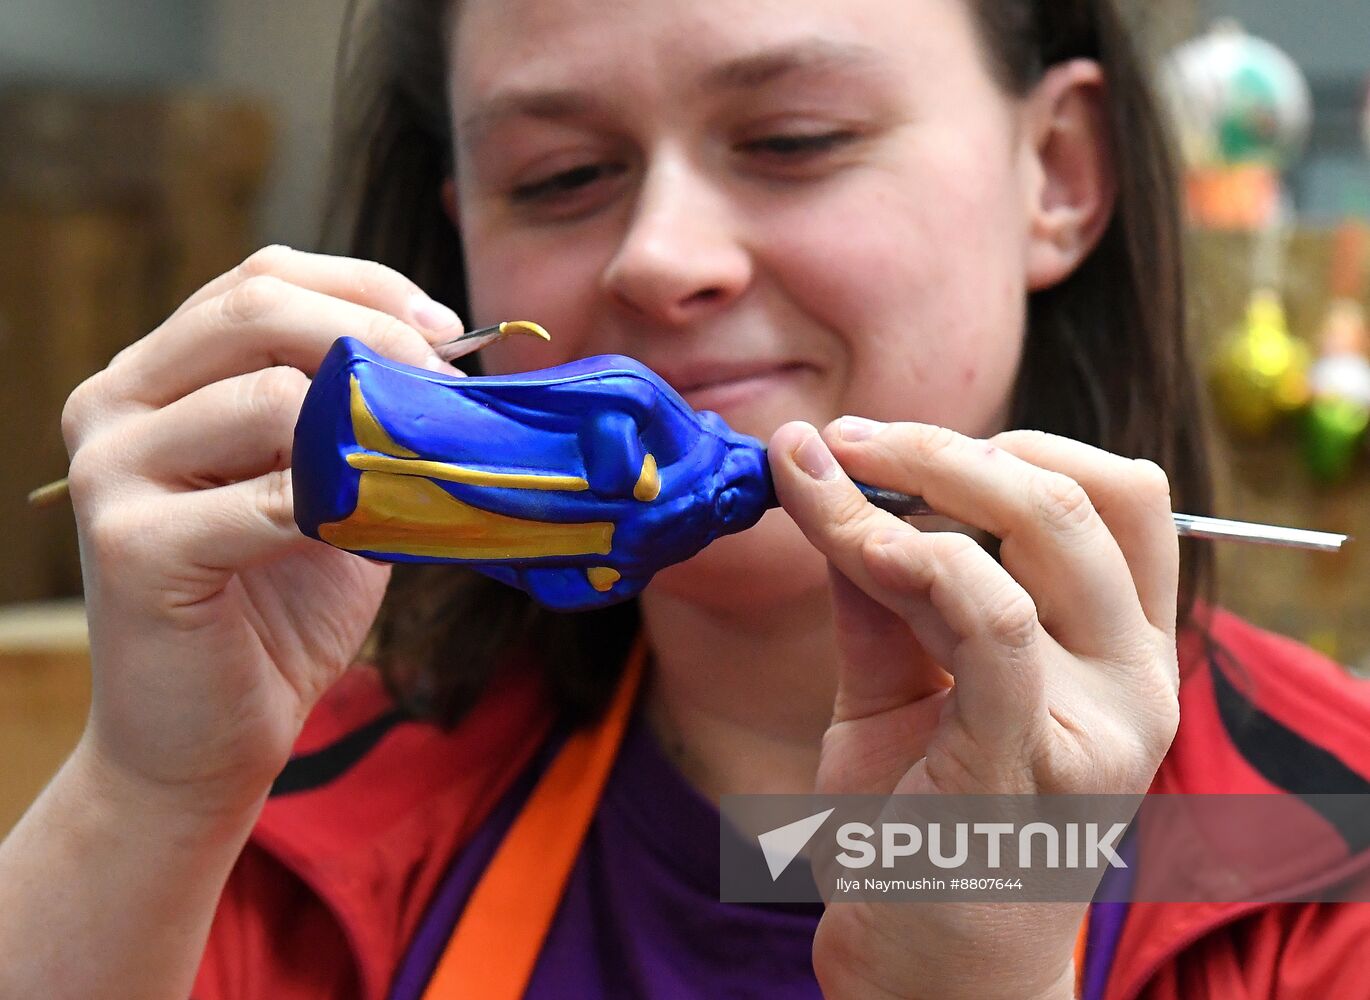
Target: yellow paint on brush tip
<point>523,326</point>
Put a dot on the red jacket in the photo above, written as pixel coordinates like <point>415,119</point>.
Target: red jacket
<point>364,821</point>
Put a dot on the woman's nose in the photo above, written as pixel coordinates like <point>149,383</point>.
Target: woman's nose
<point>680,257</point>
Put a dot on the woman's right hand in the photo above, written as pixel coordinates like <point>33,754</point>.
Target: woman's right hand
<point>215,625</point>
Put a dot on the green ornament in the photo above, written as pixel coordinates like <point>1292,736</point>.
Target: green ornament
<point>1332,433</point>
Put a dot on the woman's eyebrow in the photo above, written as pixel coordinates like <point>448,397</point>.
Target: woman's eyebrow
<point>745,72</point>
<point>768,65</point>
<point>549,105</point>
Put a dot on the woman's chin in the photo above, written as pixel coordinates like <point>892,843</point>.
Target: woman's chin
<point>765,567</point>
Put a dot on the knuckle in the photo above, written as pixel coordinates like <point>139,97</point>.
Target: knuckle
<point>253,299</point>
<point>370,274</point>
<point>1063,503</point>
<point>1151,480</point>
<point>116,538</point>
<point>1147,735</point>
<point>953,549</point>
<point>958,557</point>
<point>850,511</point>
<point>277,392</point>
<point>881,552</point>
<point>276,499</point>
<point>1167,724</point>
<point>266,261</point>
<point>932,440</point>
<point>1012,618</point>
<point>75,413</point>
<point>85,475</point>
<point>875,549</point>
<point>395,339</point>
<point>384,333</point>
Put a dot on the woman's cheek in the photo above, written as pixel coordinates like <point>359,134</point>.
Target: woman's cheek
<point>930,302</point>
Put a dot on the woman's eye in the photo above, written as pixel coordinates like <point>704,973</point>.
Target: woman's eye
<point>564,183</point>
<point>798,144</point>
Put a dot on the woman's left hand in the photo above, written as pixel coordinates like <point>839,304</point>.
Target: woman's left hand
<point>1052,671</point>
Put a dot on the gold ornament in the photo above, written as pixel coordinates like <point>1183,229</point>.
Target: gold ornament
<point>1260,373</point>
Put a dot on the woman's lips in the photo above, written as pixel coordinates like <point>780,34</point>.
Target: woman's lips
<point>734,390</point>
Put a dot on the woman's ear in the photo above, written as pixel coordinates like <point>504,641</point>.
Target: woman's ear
<point>449,202</point>
<point>1072,181</point>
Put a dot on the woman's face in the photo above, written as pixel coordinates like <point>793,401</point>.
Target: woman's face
<point>790,209</point>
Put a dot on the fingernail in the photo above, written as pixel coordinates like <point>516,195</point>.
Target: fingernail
<point>858,428</point>
<point>814,458</point>
<point>432,315</point>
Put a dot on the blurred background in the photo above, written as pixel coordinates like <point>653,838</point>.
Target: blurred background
<point>149,145</point>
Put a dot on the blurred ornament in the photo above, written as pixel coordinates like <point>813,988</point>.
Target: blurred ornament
<point>1238,99</point>
<point>1333,428</point>
<point>1243,198</point>
<point>1243,111</point>
<point>1339,382</point>
<point>1260,371</point>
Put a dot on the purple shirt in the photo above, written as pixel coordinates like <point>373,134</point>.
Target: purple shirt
<point>641,916</point>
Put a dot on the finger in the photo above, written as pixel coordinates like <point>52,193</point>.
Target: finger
<point>227,431</point>
<point>363,282</point>
<point>203,534</point>
<point>889,696</point>
<point>886,665</point>
<point>1133,498</point>
<point>950,592</point>
<point>233,527</point>
<point>261,323</point>
<point>1054,541</point>
<point>1000,656</point>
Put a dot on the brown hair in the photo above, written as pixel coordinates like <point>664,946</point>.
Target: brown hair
<point>1105,359</point>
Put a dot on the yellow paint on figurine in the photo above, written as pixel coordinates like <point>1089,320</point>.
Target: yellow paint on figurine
<point>368,430</point>
<point>409,515</point>
<point>603,578</point>
<point>648,486</point>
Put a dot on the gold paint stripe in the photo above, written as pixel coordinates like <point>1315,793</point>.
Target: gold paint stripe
<point>406,515</point>
<point>470,477</point>
<point>368,430</point>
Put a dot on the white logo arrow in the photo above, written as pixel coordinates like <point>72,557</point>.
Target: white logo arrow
<point>783,844</point>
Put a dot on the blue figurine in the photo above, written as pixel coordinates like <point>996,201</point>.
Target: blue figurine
<point>575,484</point>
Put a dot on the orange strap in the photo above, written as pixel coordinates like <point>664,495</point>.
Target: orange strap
<point>1080,941</point>
<point>498,939</point>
